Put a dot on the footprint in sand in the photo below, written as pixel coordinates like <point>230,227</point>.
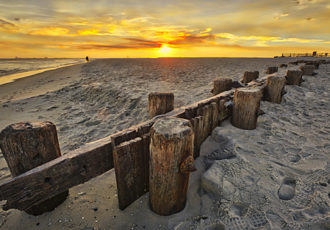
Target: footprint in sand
<point>287,189</point>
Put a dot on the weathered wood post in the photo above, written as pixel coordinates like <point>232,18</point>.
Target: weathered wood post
<point>26,145</point>
<point>283,66</point>
<point>160,103</point>
<point>315,63</point>
<point>294,77</point>
<point>221,84</point>
<point>272,69</point>
<point>307,69</point>
<point>274,88</point>
<point>246,107</point>
<point>171,160</point>
<point>249,76</point>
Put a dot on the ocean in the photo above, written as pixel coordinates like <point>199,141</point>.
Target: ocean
<point>13,66</point>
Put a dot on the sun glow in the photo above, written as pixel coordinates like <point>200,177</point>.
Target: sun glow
<point>165,50</point>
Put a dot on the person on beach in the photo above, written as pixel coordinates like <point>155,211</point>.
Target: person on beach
<point>87,59</point>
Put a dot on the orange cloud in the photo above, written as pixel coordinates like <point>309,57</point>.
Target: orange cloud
<point>50,31</point>
<point>192,39</point>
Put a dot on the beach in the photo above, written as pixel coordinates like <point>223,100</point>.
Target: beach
<point>287,153</point>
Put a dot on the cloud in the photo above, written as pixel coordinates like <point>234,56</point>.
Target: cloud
<point>192,39</point>
<point>5,23</point>
<point>187,24</point>
<point>133,43</point>
<point>50,31</point>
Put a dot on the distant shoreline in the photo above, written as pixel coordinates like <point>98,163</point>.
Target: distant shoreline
<point>7,79</point>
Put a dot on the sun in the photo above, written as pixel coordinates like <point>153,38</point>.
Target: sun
<point>165,50</point>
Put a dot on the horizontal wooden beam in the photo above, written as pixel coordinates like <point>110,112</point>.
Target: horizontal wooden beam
<point>57,176</point>
<point>85,163</point>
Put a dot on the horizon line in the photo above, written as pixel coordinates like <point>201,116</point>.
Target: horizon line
<point>18,58</point>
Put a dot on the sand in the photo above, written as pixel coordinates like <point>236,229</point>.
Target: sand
<point>274,177</point>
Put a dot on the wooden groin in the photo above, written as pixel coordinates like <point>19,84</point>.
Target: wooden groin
<point>127,151</point>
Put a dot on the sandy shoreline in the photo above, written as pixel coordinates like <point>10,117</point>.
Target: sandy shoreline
<point>16,76</point>
<point>38,82</point>
<point>93,100</point>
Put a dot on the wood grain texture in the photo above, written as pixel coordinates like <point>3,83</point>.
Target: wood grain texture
<point>274,88</point>
<point>172,141</point>
<point>160,103</point>
<point>294,77</point>
<point>131,166</point>
<point>58,175</point>
<point>249,76</point>
<point>91,160</point>
<point>197,125</point>
<point>214,116</point>
<point>221,84</point>
<point>246,107</point>
<point>224,111</point>
<point>308,70</point>
<point>26,145</point>
<point>272,69</point>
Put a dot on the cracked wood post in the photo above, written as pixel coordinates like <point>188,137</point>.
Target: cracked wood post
<point>294,77</point>
<point>25,146</point>
<point>246,107</point>
<point>274,88</point>
<point>171,160</point>
<point>307,70</point>
<point>249,76</point>
<point>272,69</point>
<point>160,103</point>
<point>221,84</point>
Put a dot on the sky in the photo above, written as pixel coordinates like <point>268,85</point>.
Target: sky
<point>151,28</point>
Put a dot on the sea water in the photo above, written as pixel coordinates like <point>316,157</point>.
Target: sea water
<point>18,65</point>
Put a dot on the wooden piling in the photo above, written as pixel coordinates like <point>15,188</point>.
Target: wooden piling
<point>272,69</point>
<point>221,84</point>
<point>171,160</point>
<point>246,107</point>
<point>315,63</point>
<point>294,77</point>
<point>283,66</point>
<point>249,76</point>
<point>131,167</point>
<point>274,88</point>
<point>26,145</point>
<point>308,70</point>
<point>160,103</point>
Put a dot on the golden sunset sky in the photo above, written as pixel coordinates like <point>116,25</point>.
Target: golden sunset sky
<point>150,28</point>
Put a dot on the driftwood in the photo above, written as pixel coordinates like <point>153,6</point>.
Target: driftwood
<point>221,84</point>
<point>26,145</point>
<point>246,107</point>
<point>171,160</point>
<point>58,175</point>
<point>294,77</point>
<point>272,69</point>
<point>160,103</point>
<point>308,70</point>
<point>249,76</point>
<point>274,88</point>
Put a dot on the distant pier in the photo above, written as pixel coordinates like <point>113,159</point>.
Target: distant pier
<point>314,54</point>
